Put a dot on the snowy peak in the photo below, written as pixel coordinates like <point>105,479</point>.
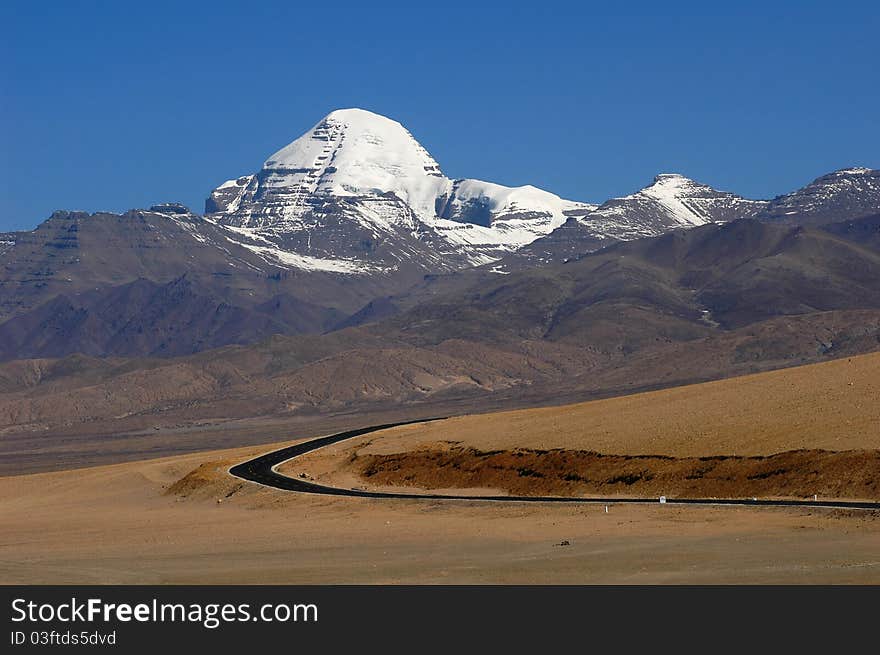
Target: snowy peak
<point>359,139</point>
<point>680,197</point>
<point>847,193</point>
<point>349,153</point>
<point>673,180</point>
<point>671,200</point>
<point>353,152</point>
<point>686,201</point>
<point>357,182</point>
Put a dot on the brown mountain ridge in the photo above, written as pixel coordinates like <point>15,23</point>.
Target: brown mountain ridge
<point>693,305</point>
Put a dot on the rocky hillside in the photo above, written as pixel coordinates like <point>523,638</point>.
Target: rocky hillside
<point>692,305</point>
<point>845,194</point>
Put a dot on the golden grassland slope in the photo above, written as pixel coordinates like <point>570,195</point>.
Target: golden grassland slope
<point>830,406</point>
<point>799,432</point>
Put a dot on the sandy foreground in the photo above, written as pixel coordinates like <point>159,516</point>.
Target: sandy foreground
<point>183,519</point>
<point>114,525</point>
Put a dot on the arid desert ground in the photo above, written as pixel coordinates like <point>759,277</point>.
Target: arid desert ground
<point>183,519</point>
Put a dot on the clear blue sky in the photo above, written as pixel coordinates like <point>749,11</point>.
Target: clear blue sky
<point>120,105</point>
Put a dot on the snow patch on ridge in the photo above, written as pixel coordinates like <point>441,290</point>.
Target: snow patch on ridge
<point>307,263</point>
<point>671,191</point>
<point>501,201</point>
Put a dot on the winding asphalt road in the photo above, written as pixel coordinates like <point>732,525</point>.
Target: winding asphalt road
<point>262,471</point>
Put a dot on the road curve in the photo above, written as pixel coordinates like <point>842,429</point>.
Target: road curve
<point>262,471</point>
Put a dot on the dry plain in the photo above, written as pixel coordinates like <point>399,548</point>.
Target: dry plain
<point>182,519</point>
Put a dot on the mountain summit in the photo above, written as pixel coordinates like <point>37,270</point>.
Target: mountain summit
<point>358,183</point>
<point>349,153</point>
<point>847,193</point>
<point>670,202</point>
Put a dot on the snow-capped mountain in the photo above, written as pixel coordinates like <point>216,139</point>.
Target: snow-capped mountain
<point>337,229</point>
<point>359,187</point>
<point>848,193</point>
<point>351,153</point>
<point>670,202</point>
